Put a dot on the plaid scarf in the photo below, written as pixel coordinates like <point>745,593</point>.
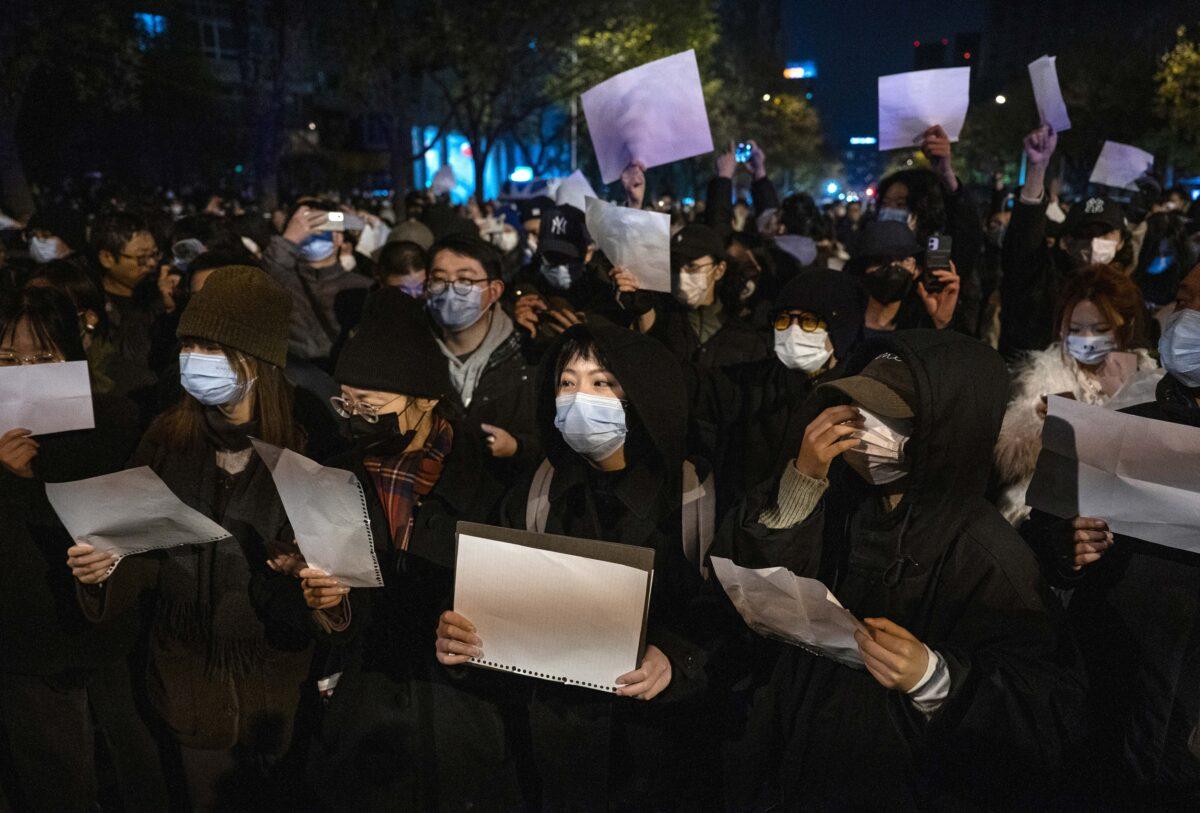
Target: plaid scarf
<point>402,480</point>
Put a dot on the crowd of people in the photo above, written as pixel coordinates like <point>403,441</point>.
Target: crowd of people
<point>860,389</point>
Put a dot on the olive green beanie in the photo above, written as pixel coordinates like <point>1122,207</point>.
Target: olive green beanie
<point>243,308</point>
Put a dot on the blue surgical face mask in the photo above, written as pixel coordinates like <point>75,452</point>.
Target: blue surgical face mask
<point>317,248</point>
<point>47,249</point>
<point>592,425</point>
<point>455,311</point>
<point>211,379</point>
<point>1160,264</point>
<point>887,213</point>
<point>415,289</point>
<point>559,276</point>
<point>1179,347</point>
<point>1091,349</point>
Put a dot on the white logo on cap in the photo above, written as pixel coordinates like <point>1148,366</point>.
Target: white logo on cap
<point>1094,206</point>
<point>558,225</point>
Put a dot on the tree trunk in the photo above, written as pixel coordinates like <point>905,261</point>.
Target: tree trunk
<point>15,195</point>
<point>400,146</point>
<point>479,156</point>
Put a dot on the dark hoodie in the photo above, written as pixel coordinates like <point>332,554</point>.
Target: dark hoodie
<point>945,566</point>
<point>589,749</point>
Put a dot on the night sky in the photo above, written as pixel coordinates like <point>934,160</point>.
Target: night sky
<point>856,41</point>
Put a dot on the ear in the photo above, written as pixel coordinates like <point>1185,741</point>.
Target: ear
<point>106,259</point>
<point>426,404</point>
<point>718,272</point>
<point>496,289</point>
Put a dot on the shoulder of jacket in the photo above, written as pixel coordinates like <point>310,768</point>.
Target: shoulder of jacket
<point>990,542</point>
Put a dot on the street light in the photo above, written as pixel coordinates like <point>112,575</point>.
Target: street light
<point>766,97</point>
<point>1001,99</point>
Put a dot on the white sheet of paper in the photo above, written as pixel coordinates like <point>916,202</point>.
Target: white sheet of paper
<point>372,238</point>
<point>777,603</point>
<point>911,103</point>
<point>1120,165</point>
<point>634,239</point>
<point>1052,110</point>
<point>128,512</point>
<point>574,190</point>
<point>328,512</point>
<point>1139,475</point>
<point>46,398</point>
<point>653,113</point>
<point>551,615</point>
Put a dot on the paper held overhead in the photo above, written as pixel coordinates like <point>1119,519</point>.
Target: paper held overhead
<point>328,512</point>
<point>634,239</point>
<point>1140,475</point>
<point>1052,110</point>
<point>46,398</point>
<point>911,103</point>
<point>574,190</point>
<point>653,113</point>
<point>1120,165</point>
<point>128,512</point>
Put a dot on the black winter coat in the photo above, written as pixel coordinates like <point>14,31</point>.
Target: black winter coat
<point>1033,277</point>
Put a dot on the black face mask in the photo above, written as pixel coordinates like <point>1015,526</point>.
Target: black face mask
<point>889,284</point>
<point>382,437</point>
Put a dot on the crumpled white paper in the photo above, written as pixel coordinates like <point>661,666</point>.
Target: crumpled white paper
<point>637,240</point>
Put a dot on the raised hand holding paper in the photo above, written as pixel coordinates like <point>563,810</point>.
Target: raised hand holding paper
<point>1120,165</point>
<point>653,113</point>
<point>1046,93</point>
<point>129,512</point>
<point>634,239</point>
<point>911,103</point>
<point>46,398</point>
<point>328,513</point>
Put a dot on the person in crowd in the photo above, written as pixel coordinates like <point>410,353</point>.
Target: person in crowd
<point>224,674</point>
<point>397,733</point>
<point>1034,273</point>
<point>1167,255</point>
<point>1099,358</point>
<point>1132,607</point>
<point>612,415</point>
<point>412,231</point>
<point>304,260</point>
<point>403,264</point>
<point>901,293</point>
<point>969,692</point>
<point>493,382</point>
<point>849,225</point>
<point>934,201</point>
<point>753,275</point>
<point>67,684</point>
<point>55,234</point>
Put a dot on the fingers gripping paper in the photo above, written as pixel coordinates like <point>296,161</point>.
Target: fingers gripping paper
<point>653,113</point>
<point>45,398</point>
<point>776,603</point>
<point>328,512</point>
<point>1120,165</point>
<point>634,239</point>
<point>129,512</point>
<point>911,103</point>
<point>552,607</point>
<point>1139,475</point>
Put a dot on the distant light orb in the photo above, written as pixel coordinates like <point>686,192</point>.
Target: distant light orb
<point>312,125</point>
<point>766,97</point>
<point>1001,99</point>
<point>521,175</point>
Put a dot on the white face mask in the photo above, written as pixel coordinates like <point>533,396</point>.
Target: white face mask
<point>880,458</point>
<point>507,240</point>
<point>1091,349</point>
<point>1103,250</point>
<point>693,289</point>
<point>801,350</point>
<point>348,261</point>
<point>46,249</point>
<point>1179,347</point>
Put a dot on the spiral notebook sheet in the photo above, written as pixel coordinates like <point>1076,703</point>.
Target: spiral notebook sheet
<point>328,512</point>
<point>553,607</point>
<point>129,512</point>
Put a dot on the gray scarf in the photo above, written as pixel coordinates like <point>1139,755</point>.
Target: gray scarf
<point>465,374</point>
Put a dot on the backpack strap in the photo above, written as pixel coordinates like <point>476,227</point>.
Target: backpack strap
<point>699,516</point>
<point>537,504</point>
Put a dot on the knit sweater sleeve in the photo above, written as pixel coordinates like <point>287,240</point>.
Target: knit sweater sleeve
<point>798,495</point>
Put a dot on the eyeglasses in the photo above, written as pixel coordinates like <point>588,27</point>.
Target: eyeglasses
<point>807,321</point>
<point>368,412</point>
<point>144,259</point>
<point>10,359</point>
<point>460,286</point>
<point>696,268</point>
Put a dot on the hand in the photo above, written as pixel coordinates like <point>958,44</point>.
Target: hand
<point>168,281</point>
<point>456,642</point>
<point>500,443</point>
<point>17,451</point>
<point>634,181</point>
<point>726,162</point>
<point>1040,144</point>
<point>624,279</point>
<point>88,565</point>
<point>935,143</point>
<point>321,591</point>
<point>892,654</point>
<point>285,557</point>
<point>650,679</point>
<point>304,222</point>
<point>831,433</point>
<point>559,321</point>
<point>758,161</point>
<point>1087,540</point>
<point>941,305</point>
<point>526,312</point>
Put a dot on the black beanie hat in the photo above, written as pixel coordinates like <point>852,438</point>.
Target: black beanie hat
<point>695,240</point>
<point>393,350</point>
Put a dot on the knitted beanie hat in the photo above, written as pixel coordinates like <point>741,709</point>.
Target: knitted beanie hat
<point>241,307</point>
<point>393,349</point>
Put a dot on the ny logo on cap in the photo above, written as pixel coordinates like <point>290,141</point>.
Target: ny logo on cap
<point>558,225</point>
<point>1094,206</point>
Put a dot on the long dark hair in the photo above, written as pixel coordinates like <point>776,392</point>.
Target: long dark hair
<point>181,427</point>
<point>51,316</point>
<point>68,277</point>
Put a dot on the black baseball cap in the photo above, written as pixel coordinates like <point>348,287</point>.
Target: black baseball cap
<point>563,234</point>
<point>884,387</point>
<point>1094,209</point>
<point>694,241</point>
